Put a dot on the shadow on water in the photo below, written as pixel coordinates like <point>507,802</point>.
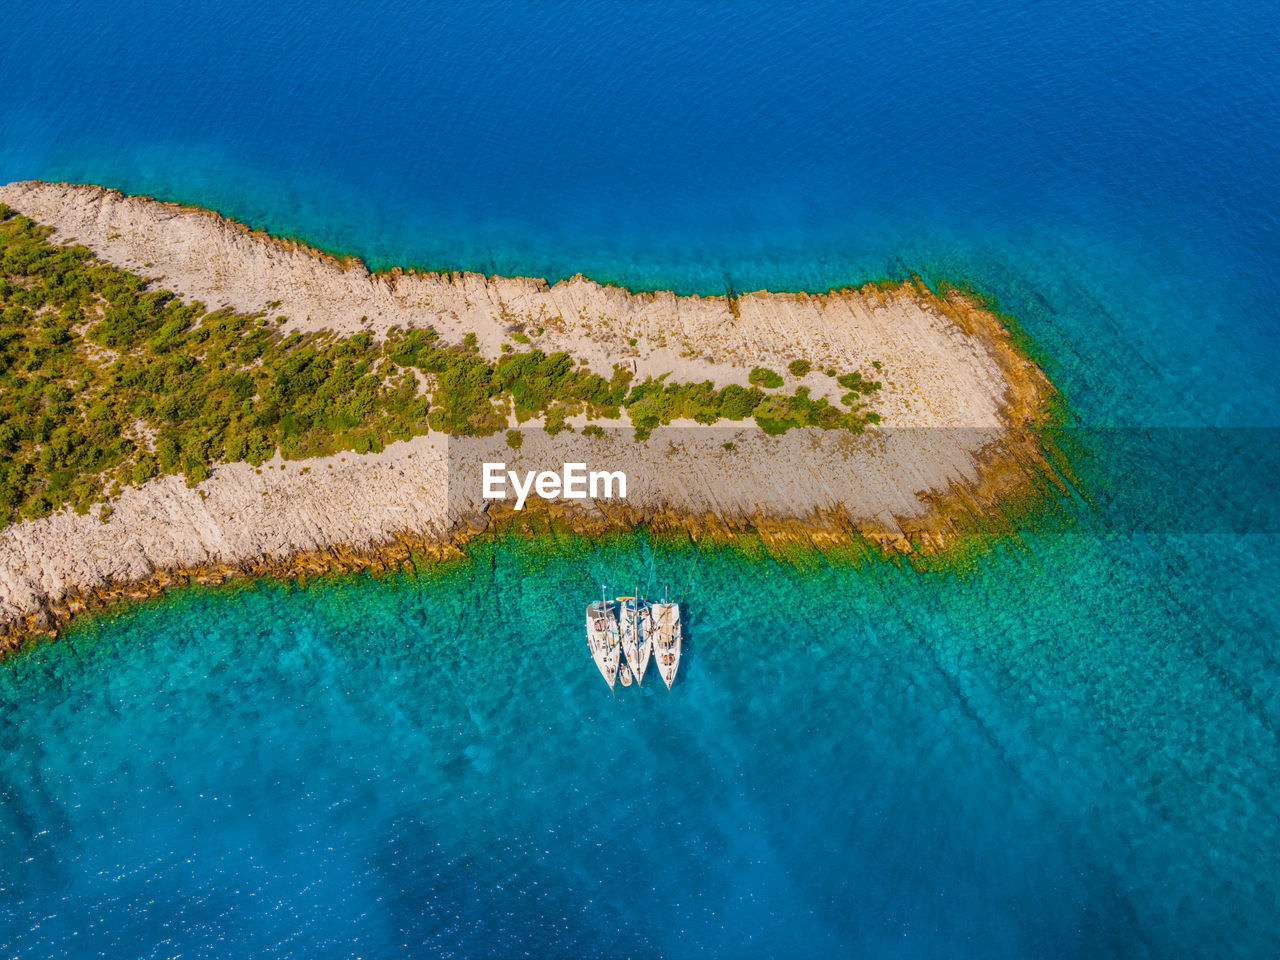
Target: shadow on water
<point>688,649</point>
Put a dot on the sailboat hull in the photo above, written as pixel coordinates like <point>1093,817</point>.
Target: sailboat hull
<point>604,641</point>
<point>636,642</point>
<point>666,639</point>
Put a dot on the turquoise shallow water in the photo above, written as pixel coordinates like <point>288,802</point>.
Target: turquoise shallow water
<point>1068,751</point>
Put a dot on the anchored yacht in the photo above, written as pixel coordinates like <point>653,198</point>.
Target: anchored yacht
<point>636,643</point>
<point>664,619</point>
<point>603,638</point>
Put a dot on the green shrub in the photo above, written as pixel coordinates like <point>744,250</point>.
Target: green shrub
<point>774,416</point>
<point>515,439</point>
<point>555,421</point>
<point>144,470</point>
<point>857,386</point>
<point>764,377</point>
<point>798,368</point>
<point>196,470</point>
<point>737,403</point>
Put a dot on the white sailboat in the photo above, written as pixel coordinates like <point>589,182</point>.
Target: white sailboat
<point>603,638</point>
<point>665,629</point>
<point>636,644</point>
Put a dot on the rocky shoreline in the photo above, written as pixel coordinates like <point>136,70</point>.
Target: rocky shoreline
<point>957,442</point>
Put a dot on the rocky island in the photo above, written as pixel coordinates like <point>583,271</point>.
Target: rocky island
<point>193,400</point>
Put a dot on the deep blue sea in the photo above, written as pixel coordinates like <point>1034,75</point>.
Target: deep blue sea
<point>1069,749</point>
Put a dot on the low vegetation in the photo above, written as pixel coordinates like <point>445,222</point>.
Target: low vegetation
<point>798,368</point>
<point>764,377</point>
<point>106,382</point>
